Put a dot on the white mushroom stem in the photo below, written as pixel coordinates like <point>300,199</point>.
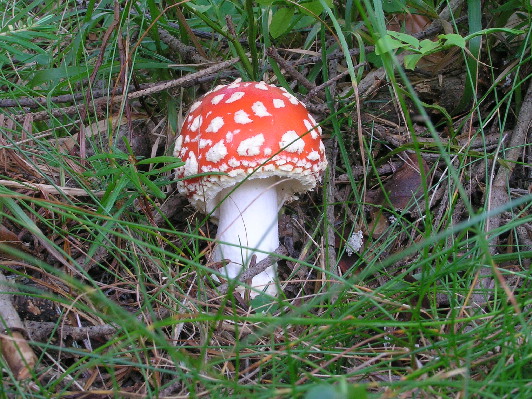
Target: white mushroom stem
<point>248,219</point>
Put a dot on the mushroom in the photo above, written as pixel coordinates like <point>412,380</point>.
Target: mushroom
<point>255,146</point>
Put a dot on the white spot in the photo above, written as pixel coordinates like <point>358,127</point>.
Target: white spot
<point>260,110</point>
<point>269,168</point>
<point>229,137</point>
<point>195,106</point>
<point>312,120</point>
<point>191,164</point>
<point>262,86</point>
<point>217,152</point>
<point>237,95</point>
<point>313,156</point>
<point>311,127</point>
<point>189,118</point>
<point>249,164</point>
<point>196,123</point>
<point>278,103</point>
<point>235,84</point>
<point>291,98</point>
<point>204,143</point>
<point>178,145</point>
<point>215,125</point>
<point>242,117</point>
<point>250,147</point>
<point>287,168</point>
<point>187,139</point>
<point>233,162</point>
<point>216,99</point>
<point>292,142</point>
<point>354,243</point>
<point>267,151</point>
<point>304,163</point>
<point>236,172</point>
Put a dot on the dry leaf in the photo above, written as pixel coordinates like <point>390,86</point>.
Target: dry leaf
<point>403,189</point>
<point>7,237</point>
<point>413,23</point>
<point>405,186</point>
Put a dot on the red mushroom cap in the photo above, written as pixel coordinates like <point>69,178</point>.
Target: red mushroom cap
<point>243,129</point>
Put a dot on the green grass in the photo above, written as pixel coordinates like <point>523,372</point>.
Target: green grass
<point>397,319</point>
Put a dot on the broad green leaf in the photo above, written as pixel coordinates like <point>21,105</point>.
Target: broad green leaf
<point>428,45</point>
<point>411,60</point>
<point>387,44</point>
<point>453,39</point>
<point>311,8</point>
<point>411,40</point>
<point>281,21</point>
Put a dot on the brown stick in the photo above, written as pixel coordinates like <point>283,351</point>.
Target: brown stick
<point>258,268</point>
<point>498,196</point>
<point>15,349</point>
<point>187,80</point>
<point>291,70</point>
<point>189,53</point>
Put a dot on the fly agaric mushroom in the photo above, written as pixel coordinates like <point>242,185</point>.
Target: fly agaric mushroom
<point>268,146</point>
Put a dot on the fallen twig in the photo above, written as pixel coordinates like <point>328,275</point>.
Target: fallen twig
<point>291,70</point>
<point>185,81</point>
<point>50,189</point>
<point>498,196</point>
<point>258,268</point>
<point>15,349</point>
